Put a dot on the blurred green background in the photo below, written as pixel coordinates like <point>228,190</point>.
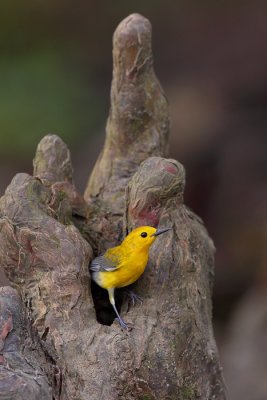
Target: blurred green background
<point>211,58</point>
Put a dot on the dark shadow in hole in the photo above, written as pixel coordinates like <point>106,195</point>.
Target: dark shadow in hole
<point>105,314</point>
<point>44,335</point>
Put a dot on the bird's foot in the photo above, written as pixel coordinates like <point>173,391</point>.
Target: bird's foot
<point>124,325</point>
<point>134,297</point>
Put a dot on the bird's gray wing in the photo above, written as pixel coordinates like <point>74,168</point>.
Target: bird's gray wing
<point>102,263</point>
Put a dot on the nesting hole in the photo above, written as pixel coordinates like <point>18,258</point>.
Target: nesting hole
<point>105,314</point>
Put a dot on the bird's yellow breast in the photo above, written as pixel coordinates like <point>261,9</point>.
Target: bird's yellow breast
<point>129,270</point>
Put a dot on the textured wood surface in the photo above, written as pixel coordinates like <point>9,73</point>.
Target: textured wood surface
<point>49,234</point>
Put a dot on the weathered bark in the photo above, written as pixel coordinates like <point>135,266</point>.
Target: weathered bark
<point>25,371</point>
<point>137,127</point>
<point>45,256</point>
<point>171,353</point>
<point>178,339</point>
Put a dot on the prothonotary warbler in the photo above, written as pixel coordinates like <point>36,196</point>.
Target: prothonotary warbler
<point>122,265</point>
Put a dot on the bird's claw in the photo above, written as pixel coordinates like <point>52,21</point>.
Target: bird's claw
<point>124,325</point>
<point>134,297</point>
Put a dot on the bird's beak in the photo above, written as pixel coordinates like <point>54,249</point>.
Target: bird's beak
<point>160,231</point>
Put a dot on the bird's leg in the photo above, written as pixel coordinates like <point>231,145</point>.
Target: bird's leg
<point>112,302</point>
<point>133,296</point>
<point>121,322</point>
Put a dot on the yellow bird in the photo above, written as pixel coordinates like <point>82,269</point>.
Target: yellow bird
<point>122,265</point>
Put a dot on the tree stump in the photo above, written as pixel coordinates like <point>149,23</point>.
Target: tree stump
<point>58,335</point>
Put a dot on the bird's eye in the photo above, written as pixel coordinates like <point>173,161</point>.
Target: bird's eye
<point>144,234</point>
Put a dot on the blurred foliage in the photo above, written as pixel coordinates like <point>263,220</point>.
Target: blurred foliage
<point>43,86</point>
<point>56,59</point>
<point>40,95</point>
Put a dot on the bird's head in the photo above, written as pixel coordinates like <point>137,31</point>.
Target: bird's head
<point>142,237</point>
